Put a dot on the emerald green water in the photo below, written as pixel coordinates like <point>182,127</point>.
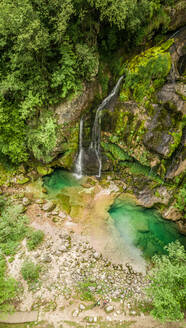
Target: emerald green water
<point>143,228</point>
<point>59,180</point>
<point>135,230</point>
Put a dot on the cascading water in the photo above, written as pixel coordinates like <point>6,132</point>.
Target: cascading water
<point>94,149</point>
<point>79,161</point>
<point>96,131</point>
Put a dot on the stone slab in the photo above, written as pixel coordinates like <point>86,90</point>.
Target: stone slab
<point>19,317</point>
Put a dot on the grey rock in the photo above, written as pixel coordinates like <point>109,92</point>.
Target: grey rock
<point>81,307</point>
<point>97,255</point>
<point>55,212</point>
<point>170,93</point>
<point>109,308</point>
<point>158,137</point>
<point>47,259</point>
<point>75,313</point>
<point>39,201</point>
<point>90,319</point>
<point>63,249</point>
<point>70,110</point>
<point>26,201</point>
<point>49,206</point>
<point>62,215</point>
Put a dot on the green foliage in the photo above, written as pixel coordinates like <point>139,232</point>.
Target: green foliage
<point>180,199</point>
<point>85,290</point>
<point>138,169</point>
<point>146,72</point>
<point>142,84</point>
<point>8,287</point>
<point>12,133</point>
<point>126,14</point>
<point>13,229</point>
<point>168,284</point>
<point>42,139</point>
<point>49,48</point>
<point>30,271</point>
<point>118,153</point>
<point>35,238</point>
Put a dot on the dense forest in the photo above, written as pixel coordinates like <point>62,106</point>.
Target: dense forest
<point>48,48</point>
<point>92,162</point>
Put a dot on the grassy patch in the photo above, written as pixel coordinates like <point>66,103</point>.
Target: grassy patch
<point>35,239</point>
<point>30,271</point>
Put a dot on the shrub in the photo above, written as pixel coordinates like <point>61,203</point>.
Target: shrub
<point>35,238</point>
<point>168,284</point>
<point>180,199</point>
<point>30,271</point>
<point>13,229</point>
<point>8,287</point>
<point>42,139</point>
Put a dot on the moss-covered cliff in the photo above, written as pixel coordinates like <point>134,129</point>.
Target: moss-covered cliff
<point>145,141</point>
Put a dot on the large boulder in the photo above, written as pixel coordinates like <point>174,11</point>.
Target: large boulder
<point>71,109</point>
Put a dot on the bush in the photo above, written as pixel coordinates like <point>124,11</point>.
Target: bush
<point>168,284</point>
<point>30,271</point>
<point>35,238</point>
<point>42,139</point>
<point>180,199</point>
<point>8,287</point>
<point>13,229</point>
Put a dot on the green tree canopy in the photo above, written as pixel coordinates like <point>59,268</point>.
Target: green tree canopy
<point>168,284</point>
<point>48,48</point>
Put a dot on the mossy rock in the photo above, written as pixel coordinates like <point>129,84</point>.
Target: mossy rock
<point>44,170</point>
<point>146,72</point>
<point>22,180</point>
<point>117,152</point>
<point>67,159</point>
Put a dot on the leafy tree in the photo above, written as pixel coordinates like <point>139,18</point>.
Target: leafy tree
<point>168,284</point>
<point>48,48</point>
<point>42,139</point>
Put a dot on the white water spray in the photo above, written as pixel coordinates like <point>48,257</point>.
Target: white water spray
<point>79,161</point>
<point>96,131</point>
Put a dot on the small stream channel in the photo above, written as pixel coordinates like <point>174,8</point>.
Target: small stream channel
<point>136,231</point>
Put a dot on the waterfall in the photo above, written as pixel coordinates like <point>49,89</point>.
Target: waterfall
<point>79,161</point>
<point>96,131</point>
<point>93,151</point>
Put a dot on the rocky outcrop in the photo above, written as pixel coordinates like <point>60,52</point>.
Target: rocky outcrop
<point>150,130</point>
<point>172,94</point>
<point>156,138</point>
<point>71,109</point>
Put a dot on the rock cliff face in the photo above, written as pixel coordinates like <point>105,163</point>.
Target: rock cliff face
<point>148,123</point>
